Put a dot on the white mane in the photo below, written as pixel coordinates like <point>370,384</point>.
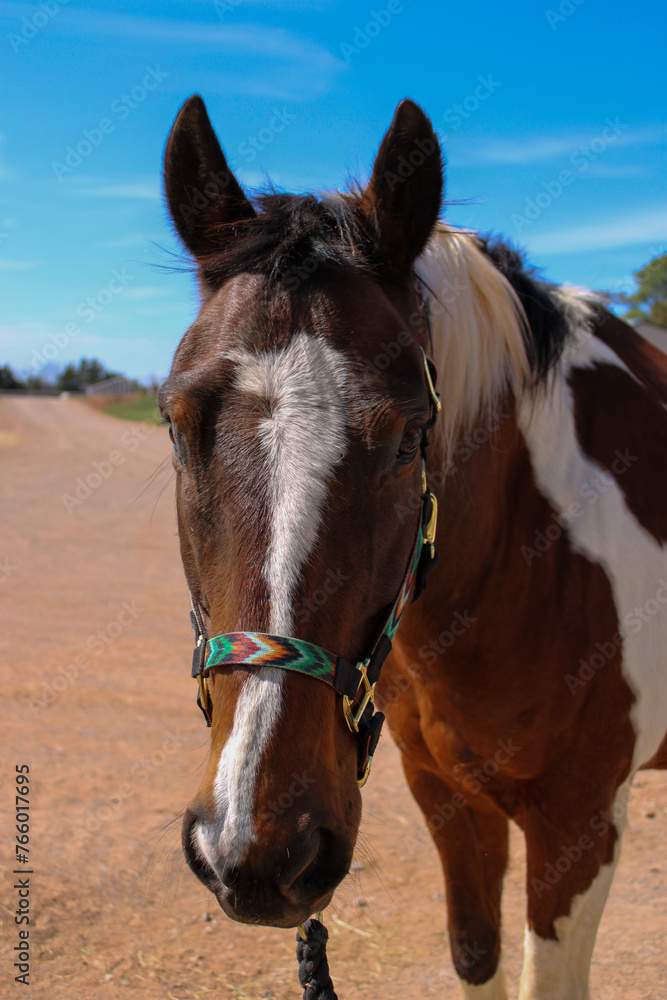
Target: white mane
<point>477,324</point>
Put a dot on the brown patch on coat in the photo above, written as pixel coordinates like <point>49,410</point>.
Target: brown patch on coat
<point>646,362</point>
<point>623,427</point>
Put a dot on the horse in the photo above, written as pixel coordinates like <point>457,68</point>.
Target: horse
<point>355,362</point>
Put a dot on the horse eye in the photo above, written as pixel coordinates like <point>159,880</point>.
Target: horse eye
<point>174,441</point>
<point>410,443</point>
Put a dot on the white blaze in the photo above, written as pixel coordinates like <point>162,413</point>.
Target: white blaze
<point>304,438</point>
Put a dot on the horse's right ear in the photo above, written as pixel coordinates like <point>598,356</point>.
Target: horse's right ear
<point>201,190</point>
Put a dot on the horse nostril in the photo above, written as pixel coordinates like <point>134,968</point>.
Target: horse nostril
<point>230,876</point>
<point>298,864</point>
<point>196,862</point>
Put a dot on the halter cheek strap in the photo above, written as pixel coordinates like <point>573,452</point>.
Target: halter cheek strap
<point>356,684</point>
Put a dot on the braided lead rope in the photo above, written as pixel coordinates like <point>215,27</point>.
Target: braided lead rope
<point>311,954</point>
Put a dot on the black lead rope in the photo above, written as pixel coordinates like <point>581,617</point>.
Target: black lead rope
<point>311,954</point>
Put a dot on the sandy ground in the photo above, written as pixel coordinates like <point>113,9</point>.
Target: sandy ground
<point>115,746</point>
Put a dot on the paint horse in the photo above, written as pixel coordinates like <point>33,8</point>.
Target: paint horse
<point>528,681</point>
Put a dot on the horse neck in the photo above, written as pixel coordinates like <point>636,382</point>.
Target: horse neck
<point>479,484</point>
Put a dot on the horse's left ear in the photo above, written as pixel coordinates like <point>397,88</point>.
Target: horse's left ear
<point>404,194</point>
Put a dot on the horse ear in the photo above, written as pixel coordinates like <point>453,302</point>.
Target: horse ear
<point>404,194</point>
<point>202,192</point>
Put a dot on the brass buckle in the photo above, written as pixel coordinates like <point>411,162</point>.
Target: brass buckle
<point>351,717</point>
<point>204,695</point>
<point>429,531</point>
<point>365,776</point>
<point>435,398</point>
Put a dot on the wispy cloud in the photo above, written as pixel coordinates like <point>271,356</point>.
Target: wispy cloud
<point>644,226</point>
<point>252,38</point>
<point>471,152</point>
<point>17,265</point>
<point>307,67</point>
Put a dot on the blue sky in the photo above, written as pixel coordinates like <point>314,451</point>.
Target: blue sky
<point>552,118</point>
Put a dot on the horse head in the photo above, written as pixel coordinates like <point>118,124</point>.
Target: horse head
<point>298,403</point>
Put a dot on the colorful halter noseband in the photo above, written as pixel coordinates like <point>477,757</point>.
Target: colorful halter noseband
<point>357,683</point>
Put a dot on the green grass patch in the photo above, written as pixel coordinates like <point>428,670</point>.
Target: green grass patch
<point>136,408</point>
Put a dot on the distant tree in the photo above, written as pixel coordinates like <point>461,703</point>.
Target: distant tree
<point>69,379</point>
<point>8,379</point>
<point>649,302</point>
<point>35,383</point>
<point>76,378</point>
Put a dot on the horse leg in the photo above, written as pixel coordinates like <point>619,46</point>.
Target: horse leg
<point>571,855</point>
<point>473,850</point>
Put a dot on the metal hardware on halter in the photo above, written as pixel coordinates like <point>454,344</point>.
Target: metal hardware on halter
<point>429,369</point>
<point>431,525</point>
<point>199,662</point>
<point>354,718</point>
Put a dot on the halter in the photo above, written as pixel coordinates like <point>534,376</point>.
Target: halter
<point>356,684</point>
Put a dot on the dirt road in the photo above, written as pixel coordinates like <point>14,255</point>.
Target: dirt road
<point>97,699</point>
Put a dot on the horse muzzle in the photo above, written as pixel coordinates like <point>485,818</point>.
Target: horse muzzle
<point>279,886</point>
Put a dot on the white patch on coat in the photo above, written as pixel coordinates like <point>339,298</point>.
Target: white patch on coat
<point>606,532</point>
<point>493,989</point>
<point>304,438</point>
<point>559,970</point>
